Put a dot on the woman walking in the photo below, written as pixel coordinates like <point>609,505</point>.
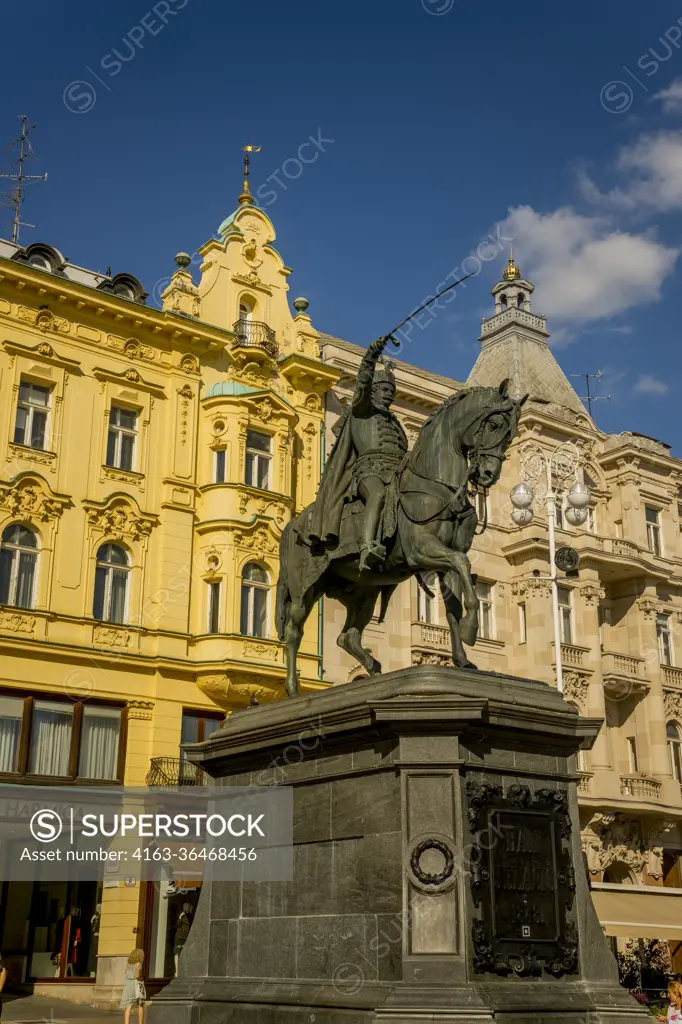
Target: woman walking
<point>134,993</point>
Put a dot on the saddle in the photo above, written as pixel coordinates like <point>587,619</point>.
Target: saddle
<point>424,500</point>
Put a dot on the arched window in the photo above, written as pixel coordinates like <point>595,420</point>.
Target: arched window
<point>111,584</point>
<point>254,601</point>
<point>503,301</point>
<point>18,562</point>
<point>521,301</point>
<point>675,747</point>
<point>246,318</point>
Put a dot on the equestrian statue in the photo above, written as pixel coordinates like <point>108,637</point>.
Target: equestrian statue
<point>384,514</point>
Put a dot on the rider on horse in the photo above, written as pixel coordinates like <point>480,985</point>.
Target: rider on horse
<point>370,446</point>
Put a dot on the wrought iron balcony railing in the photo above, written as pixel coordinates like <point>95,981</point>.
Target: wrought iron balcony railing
<point>255,334</point>
<point>175,771</point>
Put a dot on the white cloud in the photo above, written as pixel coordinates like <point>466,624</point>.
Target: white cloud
<point>671,98</point>
<point>652,167</point>
<point>582,268</point>
<point>649,385</point>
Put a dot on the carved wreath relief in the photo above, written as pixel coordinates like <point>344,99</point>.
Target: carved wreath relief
<point>522,880</point>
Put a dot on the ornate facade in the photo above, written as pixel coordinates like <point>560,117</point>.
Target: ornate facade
<point>620,617</point>
<point>150,460</point>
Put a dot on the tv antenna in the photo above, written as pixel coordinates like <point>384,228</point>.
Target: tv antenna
<point>589,397</point>
<point>15,197</point>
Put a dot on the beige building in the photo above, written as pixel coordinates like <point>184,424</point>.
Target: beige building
<point>619,619</point>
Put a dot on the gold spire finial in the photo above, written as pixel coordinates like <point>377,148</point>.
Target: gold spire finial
<point>246,199</point>
<point>511,271</point>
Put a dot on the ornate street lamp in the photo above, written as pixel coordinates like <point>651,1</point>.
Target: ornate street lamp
<point>542,470</point>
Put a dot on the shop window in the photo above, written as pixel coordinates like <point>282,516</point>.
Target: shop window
<point>170,909</point>
<point>18,563</point>
<point>63,741</point>
<point>258,459</point>
<point>254,601</point>
<point>30,424</point>
<point>122,438</point>
<point>62,928</point>
<point>111,584</point>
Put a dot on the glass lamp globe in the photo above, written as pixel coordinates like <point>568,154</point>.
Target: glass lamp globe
<point>521,496</point>
<point>522,516</point>
<point>578,495</point>
<point>576,516</point>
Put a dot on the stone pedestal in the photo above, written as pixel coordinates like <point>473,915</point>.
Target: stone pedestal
<point>438,874</point>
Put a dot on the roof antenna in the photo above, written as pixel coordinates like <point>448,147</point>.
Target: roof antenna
<point>15,197</point>
<point>590,398</point>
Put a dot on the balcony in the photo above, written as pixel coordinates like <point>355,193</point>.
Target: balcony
<point>584,783</point>
<point>614,558</point>
<point>623,675</point>
<point>672,675</point>
<point>424,634</point>
<point>256,335</point>
<point>175,771</point>
<point>639,787</point>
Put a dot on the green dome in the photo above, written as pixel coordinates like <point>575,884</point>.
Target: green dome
<point>229,388</point>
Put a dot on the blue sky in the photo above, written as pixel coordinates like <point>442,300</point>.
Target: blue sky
<point>439,123</point>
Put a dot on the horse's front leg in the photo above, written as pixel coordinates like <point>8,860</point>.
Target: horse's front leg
<point>429,552</point>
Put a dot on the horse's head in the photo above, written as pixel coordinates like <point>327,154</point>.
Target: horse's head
<point>487,436</point>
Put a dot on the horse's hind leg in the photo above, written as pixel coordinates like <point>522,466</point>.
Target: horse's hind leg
<point>359,609</point>
<point>298,611</point>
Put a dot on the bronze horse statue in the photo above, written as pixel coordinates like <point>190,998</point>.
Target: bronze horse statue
<point>429,524</point>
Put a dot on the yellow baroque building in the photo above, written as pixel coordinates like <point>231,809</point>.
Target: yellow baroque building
<point>150,460</point>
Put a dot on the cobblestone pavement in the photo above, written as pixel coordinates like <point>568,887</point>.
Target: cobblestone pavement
<point>36,1010</point>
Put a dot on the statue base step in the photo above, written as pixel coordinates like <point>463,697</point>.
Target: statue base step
<point>438,874</point>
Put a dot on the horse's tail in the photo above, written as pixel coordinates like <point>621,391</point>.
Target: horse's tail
<point>283,599</point>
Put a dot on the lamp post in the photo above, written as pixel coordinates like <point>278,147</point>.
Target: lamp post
<point>539,471</point>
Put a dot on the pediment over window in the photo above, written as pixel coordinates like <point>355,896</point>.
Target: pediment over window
<point>118,517</point>
<point>31,499</point>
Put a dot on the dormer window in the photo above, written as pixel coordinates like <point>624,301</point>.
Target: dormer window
<point>40,261</point>
<point>125,286</point>
<point>40,256</point>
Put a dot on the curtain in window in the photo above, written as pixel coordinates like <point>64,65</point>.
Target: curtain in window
<point>119,582</point>
<point>5,575</point>
<point>11,714</point>
<point>99,743</point>
<point>50,738</point>
<point>27,564</point>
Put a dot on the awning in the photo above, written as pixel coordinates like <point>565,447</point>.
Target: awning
<point>646,915</point>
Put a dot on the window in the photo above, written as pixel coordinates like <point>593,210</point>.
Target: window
<point>219,466</point>
<point>653,529</point>
<point>30,425</point>
<point>258,459</point>
<point>559,506</point>
<point>62,740</point>
<point>197,726</point>
<point>591,524</point>
<point>18,561</point>
<point>213,625</point>
<point>523,623</point>
<point>254,603</point>
<point>122,438</point>
<point>427,606</point>
<point>665,639</point>
<point>673,734</point>
<point>111,584</point>
<point>633,760</point>
<point>486,625</point>
<point>565,615</point>
<point>481,506</point>
<point>11,718</point>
